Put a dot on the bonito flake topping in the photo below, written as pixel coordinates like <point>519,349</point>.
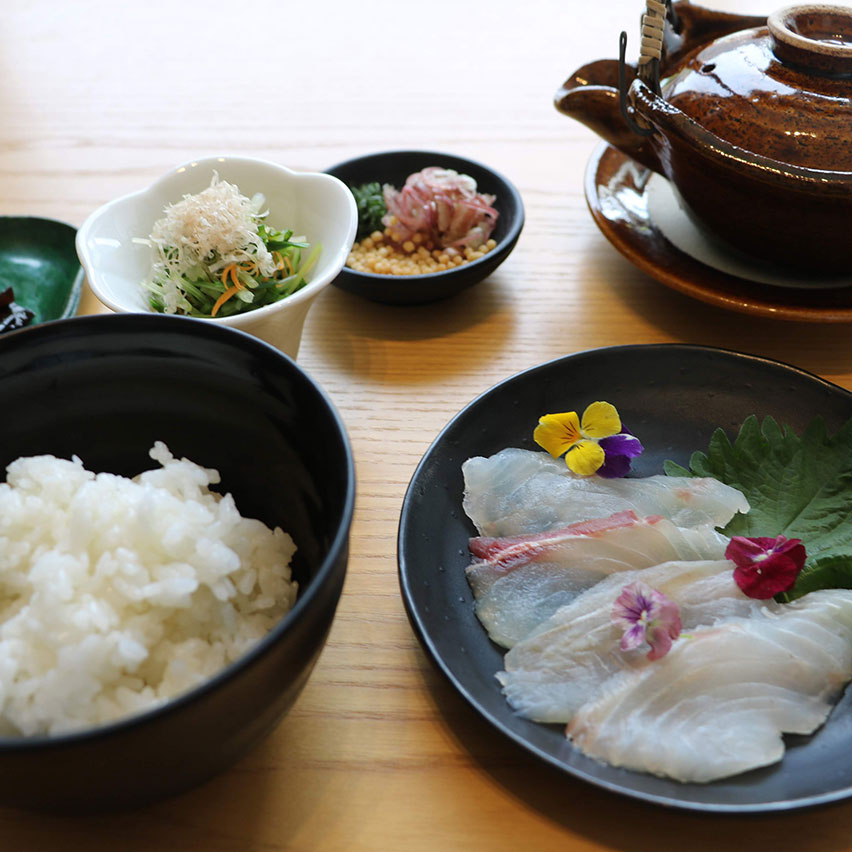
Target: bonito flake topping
<point>215,227</point>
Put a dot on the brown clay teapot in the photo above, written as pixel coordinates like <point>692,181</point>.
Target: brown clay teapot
<point>749,118</point>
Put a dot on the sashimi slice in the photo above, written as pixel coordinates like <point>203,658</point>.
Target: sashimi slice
<point>520,581</point>
<point>566,660</point>
<point>517,492</point>
<point>718,703</point>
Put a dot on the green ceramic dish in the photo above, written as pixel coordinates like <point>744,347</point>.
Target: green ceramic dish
<point>39,262</point>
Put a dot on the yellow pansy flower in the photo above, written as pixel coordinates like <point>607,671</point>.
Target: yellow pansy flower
<point>579,439</point>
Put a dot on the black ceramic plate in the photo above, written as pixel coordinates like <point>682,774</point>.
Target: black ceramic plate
<point>672,397</point>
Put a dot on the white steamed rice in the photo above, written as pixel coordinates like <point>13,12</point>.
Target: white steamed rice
<point>117,594</point>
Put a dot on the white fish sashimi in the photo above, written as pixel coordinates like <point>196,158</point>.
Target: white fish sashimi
<point>520,581</point>
<point>717,704</point>
<point>517,492</point>
<point>567,659</point>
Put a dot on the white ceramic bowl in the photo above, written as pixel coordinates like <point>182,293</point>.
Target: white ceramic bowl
<point>316,205</point>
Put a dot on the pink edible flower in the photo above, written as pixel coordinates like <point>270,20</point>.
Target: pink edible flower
<point>646,615</point>
<point>766,566</point>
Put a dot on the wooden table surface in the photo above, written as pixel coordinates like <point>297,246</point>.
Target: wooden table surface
<point>379,753</point>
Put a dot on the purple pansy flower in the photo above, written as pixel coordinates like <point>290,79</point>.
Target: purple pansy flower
<point>619,450</point>
<point>646,615</point>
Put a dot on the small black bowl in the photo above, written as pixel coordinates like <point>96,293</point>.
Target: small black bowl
<point>394,167</point>
<point>105,388</point>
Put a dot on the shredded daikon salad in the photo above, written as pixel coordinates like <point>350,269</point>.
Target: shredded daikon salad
<point>215,256</point>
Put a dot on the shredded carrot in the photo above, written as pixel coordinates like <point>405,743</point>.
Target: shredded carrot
<point>223,298</point>
<point>230,271</point>
<point>283,263</point>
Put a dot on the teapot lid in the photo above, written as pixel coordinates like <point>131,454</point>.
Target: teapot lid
<point>815,37</point>
<point>783,91</point>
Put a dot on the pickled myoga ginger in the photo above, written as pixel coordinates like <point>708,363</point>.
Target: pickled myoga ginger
<point>441,205</point>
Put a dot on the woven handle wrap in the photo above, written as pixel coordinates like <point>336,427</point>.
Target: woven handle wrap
<point>653,24</point>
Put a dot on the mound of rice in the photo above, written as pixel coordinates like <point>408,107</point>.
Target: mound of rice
<point>117,594</point>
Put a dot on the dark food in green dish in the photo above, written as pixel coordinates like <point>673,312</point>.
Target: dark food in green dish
<point>13,315</point>
<point>39,262</point>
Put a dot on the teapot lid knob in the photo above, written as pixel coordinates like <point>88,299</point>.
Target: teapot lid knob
<point>815,37</point>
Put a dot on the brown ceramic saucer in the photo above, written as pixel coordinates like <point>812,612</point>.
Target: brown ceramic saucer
<point>616,195</point>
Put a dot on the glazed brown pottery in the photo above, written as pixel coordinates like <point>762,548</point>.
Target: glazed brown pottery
<point>618,198</point>
<point>752,125</point>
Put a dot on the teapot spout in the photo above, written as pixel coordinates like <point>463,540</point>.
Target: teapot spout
<point>591,96</point>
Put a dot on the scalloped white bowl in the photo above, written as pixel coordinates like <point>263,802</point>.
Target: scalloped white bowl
<point>316,205</point>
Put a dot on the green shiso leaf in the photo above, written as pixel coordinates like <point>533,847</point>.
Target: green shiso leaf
<point>371,208</point>
<point>799,487</point>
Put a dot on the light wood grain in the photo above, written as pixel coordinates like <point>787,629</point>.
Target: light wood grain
<point>379,753</point>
